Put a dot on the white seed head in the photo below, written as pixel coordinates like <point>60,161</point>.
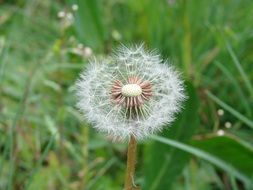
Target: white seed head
<point>134,92</point>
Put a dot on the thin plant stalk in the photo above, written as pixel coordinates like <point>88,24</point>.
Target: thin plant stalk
<point>85,139</point>
<point>131,161</point>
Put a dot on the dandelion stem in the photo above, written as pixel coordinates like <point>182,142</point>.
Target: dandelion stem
<point>131,161</point>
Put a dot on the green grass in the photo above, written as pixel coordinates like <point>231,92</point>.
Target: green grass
<point>44,142</point>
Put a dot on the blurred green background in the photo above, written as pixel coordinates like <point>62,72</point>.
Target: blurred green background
<point>44,45</point>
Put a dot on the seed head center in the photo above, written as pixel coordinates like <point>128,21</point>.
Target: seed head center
<point>131,90</point>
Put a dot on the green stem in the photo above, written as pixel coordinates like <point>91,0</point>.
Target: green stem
<point>131,161</point>
<point>85,139</point>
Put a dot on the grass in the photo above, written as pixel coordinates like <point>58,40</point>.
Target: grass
<point>44,142</point>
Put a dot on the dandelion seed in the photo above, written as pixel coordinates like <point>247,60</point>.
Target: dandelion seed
<point>133,93</point>
<point>70,17</point>
<point>228,125</point>
<point>61,14</point>
<point>220,132</point>
<point>80,46</point>
<point>75,7</point>
<point>87,52</point>
<point>220,112</point>
<point>116,35</point>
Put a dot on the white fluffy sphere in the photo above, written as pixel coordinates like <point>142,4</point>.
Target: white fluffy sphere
<point>100,96</point>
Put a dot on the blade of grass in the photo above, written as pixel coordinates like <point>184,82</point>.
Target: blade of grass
<point>89,23</point>
<point>9,148</point>
<point>42,158</point>
<point>186,42</point>
<point>206,156</point>
<point>236,85</point>
<point>101,173</point>
<point>3,54</point>
<point>233,183</point>
<point>10,144</point>
<point>240,69</point>
<point>231,110</point>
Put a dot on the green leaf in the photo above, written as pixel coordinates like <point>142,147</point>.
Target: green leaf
<point>206,156</point>
<point>229,150</point>
<point>163,163</point>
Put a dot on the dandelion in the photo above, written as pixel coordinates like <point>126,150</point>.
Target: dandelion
<point>74,7</point>
<point>61,14</point>
<point>131,95</point>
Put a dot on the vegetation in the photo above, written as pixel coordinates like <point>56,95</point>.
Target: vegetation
<point>44,142</point>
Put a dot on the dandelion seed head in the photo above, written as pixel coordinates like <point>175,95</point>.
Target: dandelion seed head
<point>134,92</point>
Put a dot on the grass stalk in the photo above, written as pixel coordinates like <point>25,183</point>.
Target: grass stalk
<point>186,43</point>
<point>85,140</point>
